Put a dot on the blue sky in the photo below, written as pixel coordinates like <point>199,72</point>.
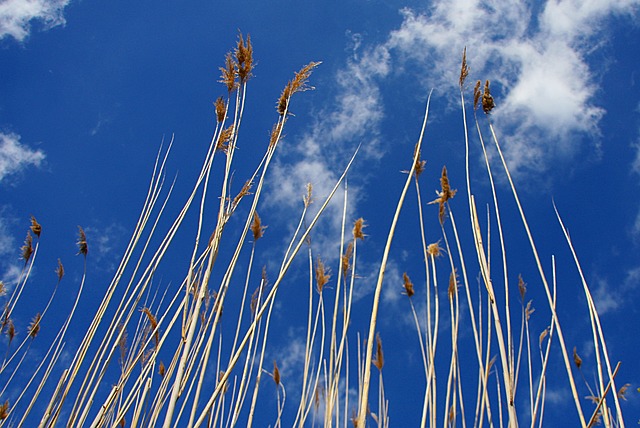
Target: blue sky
<point>90,90</point>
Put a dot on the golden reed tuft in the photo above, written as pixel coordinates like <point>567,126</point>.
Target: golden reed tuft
<point>407,284</point>
<point>256,227</point>
<point>464,69</point>
<point>487,99</point>
<point>379,360</point>
<point>322,276</point>
<point>82,242</point>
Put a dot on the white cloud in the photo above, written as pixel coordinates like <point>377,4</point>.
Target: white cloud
<point>14,156</point>
<point>16,16</point>
<point>604,298</point>
<point>547,93</point>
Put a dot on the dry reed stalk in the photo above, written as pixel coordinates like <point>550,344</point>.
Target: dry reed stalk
<point>542,277</point>
<point>272,293</point>
<point>598,335</point>
<point>364,397</point>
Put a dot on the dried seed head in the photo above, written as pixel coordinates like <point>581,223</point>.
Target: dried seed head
<point>487,99</point>
<point>224,138</point>
<point>36,228</point>
<point>464,70</point>
<point>123,422</point>
<point>256,227</point>
<point>82,242</point>
<point>420,164</point>
<point>60,270</point>
<point>522,287</point>
<point>379,360</point>
<point>27,248</point>
<point>444,195</point>
<point>276,373</point>
<point>153,322</point>
<point>244,58</point>
<point>11,330</point>
<point>34,327</point>
<point>307,199</point>
<point>122,343</point>
<point>298,84</point>
<point>542,336</point>
<point>477,93</point>
<point>407,284</point>
<point>161,369</point>
<point>453,284</point>
<point>434,250</point>
<point>623,390</point>
<point>241,194</point>
<point>447,192</point>
<point>229,73</point>
<point>346,259</point>
<point>4,410</point>
<point>529,310</point>
<point>357,229</point>
<point>322,276</point>
<point>221,109</point>
<point>275,134</point>
<point>576,358</point>
<point>3,289</point>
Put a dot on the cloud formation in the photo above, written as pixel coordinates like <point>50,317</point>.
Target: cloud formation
<point>538,59</point>
<point>15,156</point>
<point>16,16</point>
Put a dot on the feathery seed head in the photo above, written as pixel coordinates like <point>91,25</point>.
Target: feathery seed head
<point>244,58</point>
<point>27,248</point>
<point>4,410</point>
<point>229,73</point>
<point>346,259</point>
<point>60,270</point>
<point>36,228</point>
<point>477,93</point>
<point>276,373</point>
<point>256,227</point>
<point>153,322</point>
<point>307,199</point>
<point>221,109</point>
<point>407,284</point>
<point>34,327</point>
<point>487,99</point>
<point>11,330</point>
<point>522,287</point>
<point>275,134</point>
<point>322,276</point>
<point>298,84</point>
<point>224,138</point>
<point>379,360</point>
<point>82,242</point>
<point>420,164</point>
<point>464,70</point>
<point>453,284</point>
<point>434,249</point>
<point>576,358</point>
<point>357,229</point>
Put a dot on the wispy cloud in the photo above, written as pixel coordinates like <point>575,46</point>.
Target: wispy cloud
<point>15,156</point>
<point>537,59</point>
<point>547,105</point>
<point>16,16</point>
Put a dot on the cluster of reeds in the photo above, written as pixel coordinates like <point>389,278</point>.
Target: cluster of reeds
<point>180,365</point>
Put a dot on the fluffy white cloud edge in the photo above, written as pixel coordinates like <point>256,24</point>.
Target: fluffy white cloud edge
<point>16,16</point>
<point>15,156</point>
